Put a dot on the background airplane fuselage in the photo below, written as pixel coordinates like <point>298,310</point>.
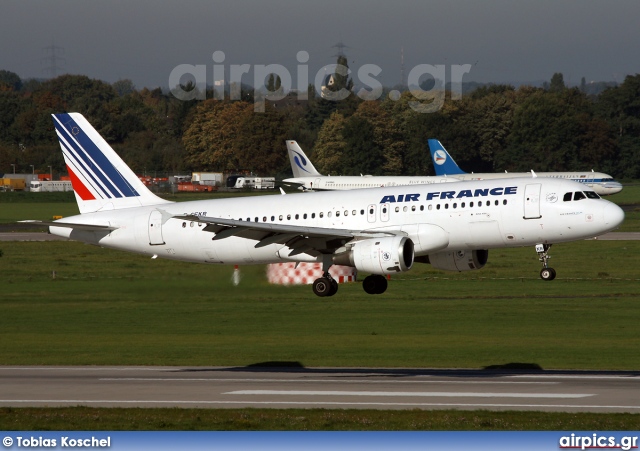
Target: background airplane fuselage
<point>599,182</point>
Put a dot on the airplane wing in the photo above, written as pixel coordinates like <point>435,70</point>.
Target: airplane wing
<point>90,227</point>
<point>301,239</point>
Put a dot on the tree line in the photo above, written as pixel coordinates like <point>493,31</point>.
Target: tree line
<point>494,128</point>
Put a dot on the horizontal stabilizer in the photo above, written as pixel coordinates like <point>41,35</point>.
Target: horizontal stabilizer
<point>71,225</point>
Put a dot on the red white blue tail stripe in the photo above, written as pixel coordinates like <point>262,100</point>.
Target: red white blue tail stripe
<point>87,161</point>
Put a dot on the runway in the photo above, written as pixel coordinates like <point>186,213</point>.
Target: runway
<point>570,391</point>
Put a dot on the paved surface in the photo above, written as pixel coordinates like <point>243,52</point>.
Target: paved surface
<point>30,236</point>
<point>320,388</point>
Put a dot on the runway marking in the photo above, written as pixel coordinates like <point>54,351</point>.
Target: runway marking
<point>351,381</point>
<point>314,403</point>
<point>411,394</point>
<point>576,376</point>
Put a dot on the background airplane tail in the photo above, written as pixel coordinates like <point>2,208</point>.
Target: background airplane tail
<point>442,161</point>
<point>100,179</point>
<point>300,164</point>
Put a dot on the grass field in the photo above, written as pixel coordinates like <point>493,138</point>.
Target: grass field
<point>110,307</point>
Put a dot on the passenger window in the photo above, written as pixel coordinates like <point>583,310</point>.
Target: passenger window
<point>273,218</point>
<point>264,219</point>
<point>328,214</point>
<point>313,215</point>
<point>337,214</point>
<point>354,212</point>
<point>304,216</point>
<point>462,205</point>
<point>384,210</point>
<point>397,209</point>
<point>471,204</point>
<point>579,195</point>
<point>371,211</point>
<point>567,197</point>
<point>321,214</point>
<point>280,217</point>
<point>429,207</point>
<point>346,212</point>
<point>455,205</point>
<point>288,217</point>
<point>297,216</point>
<point>497,202</point>
<point>504,202</point>
<point>446,206</point>
<point>479,203</point>
<point>421,207</point>
<point>438,207</point>
<point>405,208</point>
<point>362,212</point>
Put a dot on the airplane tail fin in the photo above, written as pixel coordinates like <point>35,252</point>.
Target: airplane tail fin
<point>100,179</point>
<point>300,164</point>
<point>442,161</point>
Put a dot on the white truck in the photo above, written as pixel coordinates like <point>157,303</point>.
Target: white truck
<point>41,186</point>
<point>207,178</point>
<point>252,182</point>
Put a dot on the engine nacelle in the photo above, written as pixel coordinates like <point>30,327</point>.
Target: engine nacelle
<point>381,256</point>
<point>464,260</point>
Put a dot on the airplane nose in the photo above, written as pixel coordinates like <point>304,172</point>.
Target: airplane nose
<point>613,215</point>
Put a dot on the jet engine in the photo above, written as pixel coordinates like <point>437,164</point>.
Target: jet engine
<point>379,255</point>
<point>464,260</point>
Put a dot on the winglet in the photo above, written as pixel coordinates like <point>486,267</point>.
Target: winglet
<point>442,161</point>
<point>300,164</point>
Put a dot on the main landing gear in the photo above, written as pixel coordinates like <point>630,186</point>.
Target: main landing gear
<point>325,285</point>
<point>374,284</point>
<point>546,273</point>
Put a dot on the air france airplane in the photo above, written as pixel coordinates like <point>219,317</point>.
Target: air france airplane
<point>602,184</point>
<point>307,177</point>
<point>379,231</point>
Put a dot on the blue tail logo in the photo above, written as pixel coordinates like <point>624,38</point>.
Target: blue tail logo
<point>300,160</point>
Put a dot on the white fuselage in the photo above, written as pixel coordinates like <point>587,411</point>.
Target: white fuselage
<point>347,182</point>
<point>474,215</point>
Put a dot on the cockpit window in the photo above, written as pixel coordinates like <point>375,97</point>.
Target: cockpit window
<point>567,197</point>
<point>579,195</point>
<point>592,195</point>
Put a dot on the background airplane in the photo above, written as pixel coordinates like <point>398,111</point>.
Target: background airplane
<point>601,183</point>
<point>307,177</point>
<point>379,231</point>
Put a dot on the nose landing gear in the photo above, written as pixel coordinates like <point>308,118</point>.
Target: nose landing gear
<point>546,273</point>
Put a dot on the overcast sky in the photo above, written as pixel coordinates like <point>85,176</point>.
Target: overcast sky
<point>504,40</point>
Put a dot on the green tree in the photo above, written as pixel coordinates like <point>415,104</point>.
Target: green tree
<point>210,139</point>
<point>620,107</point>
<point>330,145</point>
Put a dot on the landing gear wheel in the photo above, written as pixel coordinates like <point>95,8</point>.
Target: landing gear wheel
<point>323,287</point>
<point>374,284</point>
<point>334,287</point>
<point>548,274</point>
